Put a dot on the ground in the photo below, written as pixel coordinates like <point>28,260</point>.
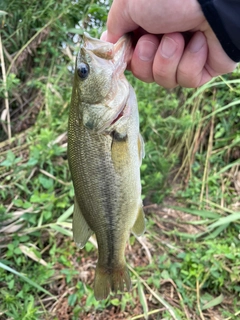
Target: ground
<point>139,255</point>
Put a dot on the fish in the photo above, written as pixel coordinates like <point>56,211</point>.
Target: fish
<point>105,151</point>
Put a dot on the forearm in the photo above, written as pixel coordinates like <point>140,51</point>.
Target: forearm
<point>224,18</point>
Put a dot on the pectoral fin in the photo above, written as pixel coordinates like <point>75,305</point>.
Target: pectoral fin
<point>141,150</point>
<point>81,230</point>
<point>139,225</point>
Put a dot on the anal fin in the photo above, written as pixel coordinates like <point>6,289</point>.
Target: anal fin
<point>81,230</point>
<point>139,225</point>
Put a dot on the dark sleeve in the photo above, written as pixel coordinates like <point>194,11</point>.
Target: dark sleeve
<point>224,18</point>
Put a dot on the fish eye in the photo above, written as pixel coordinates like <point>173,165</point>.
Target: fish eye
<point>83,70</point>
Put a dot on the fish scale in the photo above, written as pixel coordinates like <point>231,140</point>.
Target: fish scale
<point>105,151</point>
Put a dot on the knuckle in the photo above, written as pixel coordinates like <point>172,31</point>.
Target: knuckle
<point>188,79</point>
<point>165,78</point>
<point>143,76</point>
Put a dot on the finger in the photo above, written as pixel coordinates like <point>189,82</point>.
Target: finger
<point>119,21</point>
<point>191,71</point>
<point>167,59</point>
<point>218,61</point>
<point>143,56</point>
<point>104,36</point>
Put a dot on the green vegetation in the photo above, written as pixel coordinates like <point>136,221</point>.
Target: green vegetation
<point>187,265</point>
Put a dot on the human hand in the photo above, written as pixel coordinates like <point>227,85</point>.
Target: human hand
<point>161,53</point>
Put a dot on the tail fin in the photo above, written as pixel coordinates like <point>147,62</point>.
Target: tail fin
<point>107,280</point>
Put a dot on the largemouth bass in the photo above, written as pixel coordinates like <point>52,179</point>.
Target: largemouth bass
<point>105,151</point>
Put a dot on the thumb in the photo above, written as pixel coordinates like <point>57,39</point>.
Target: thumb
<point>119,21</point>
<point>218,61</point>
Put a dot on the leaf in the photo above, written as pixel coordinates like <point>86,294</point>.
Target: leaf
<point>201,213</point>
<point>61,230</point>
<point>156,295</point>
<point>197,222</point>
<point>35,198</point>
<point>32,283</point>
<point>72,299</point>
<point>66,214</point>
<point>75,30</point>
<point>183,234</point>
<point>216,232</point>
<point>143,299</point>
<point>229,166</point>
<point>46,182</point>
<point>9,159</point>
<point>32,162</point>
<point>3,13</point>
<point>165,274</point>
<point>213,303</point>
<point>115,302</point>
<point>31,254</point>
<point>224,220</point>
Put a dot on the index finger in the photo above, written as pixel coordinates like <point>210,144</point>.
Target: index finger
<point>119,20</point>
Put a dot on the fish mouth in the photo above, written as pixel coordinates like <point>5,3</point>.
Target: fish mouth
<point>116,55</point>
<point>122,53</point>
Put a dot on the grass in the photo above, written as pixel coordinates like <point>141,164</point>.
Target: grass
<point>186,266</point>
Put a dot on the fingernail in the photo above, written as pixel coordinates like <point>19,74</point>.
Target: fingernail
<point>146,50</point>
<point>168,47</point>
<point>197,44</point>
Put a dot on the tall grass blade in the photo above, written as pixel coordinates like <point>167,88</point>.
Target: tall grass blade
<point>217,232</point>
<point>32,283</point>
<point>213,302</point>
<point>61,230</point>
<point>65,215</point>
<point>3,13</point>
<point>156,295</point>
<point>225,220</point>
<point>201,213</point>
<point>143,299</point>
<point>229,166</point>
